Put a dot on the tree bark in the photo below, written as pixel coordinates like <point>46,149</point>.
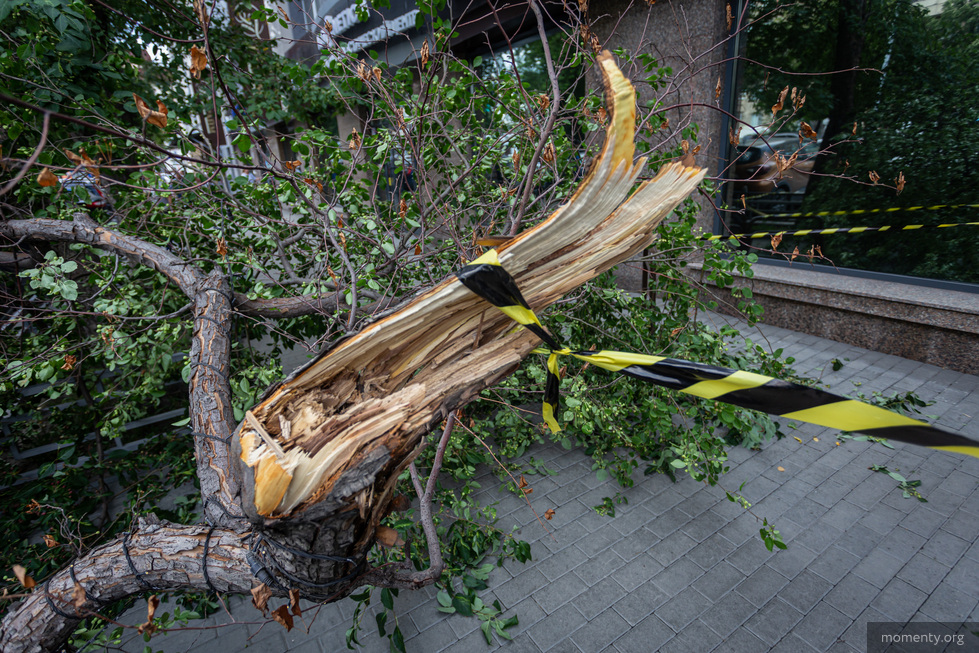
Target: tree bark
<point>164,557</point>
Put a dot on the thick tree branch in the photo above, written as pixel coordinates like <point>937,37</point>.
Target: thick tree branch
<point>165,556</point>
<point>82,229</point>
<point>288,307</point>
<point>211,412</point>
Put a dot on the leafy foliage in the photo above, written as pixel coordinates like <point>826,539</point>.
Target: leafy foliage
<point>910,139</point>
<point>286,207</point>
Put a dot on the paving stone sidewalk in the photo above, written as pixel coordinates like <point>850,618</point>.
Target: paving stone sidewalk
<point>680,568</point>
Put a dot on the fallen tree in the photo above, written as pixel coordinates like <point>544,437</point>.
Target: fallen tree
<point>294,494</point>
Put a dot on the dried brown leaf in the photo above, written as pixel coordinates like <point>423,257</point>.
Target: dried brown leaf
<point>282,616</point>
<point>685,145</point>
<point>717,90</point>
<point>548,153</point>
<point>583,5</point>
<point>23,578</point>
<point>795,253</point>
<point>68,366</point>
<point>389,537</point>
<point>805,131</point>
<point>782,164</point>
<point>78,596</point>
<point>149,627</point>
<point>47,178</point>
<point>735,136</point>
<point>418,249</point>
<point>291,165</point>
<point>400,503</point>
<point>354,143</point>
<point>49,540</point>
<point>260,597</point>
<point>294,603</point>
<point>776,241</point>
<point>544,101</point>
<point>516,159</point>
<point>198,61</point>
<point>222,248</point>
<point>402,208</point>
<point>874,177</point>
<point>376,73</point>
<point>425,53</point>
<point>363,72</point>
<point>780,103</point>
<point>603,116</point>
<point>158,118</point>
<point>549,514</point>
<point>899,182</point>
<point>152,604</point>
<point>200,10</point>
<point>729,18</point>
<point>596,45</point>
<point>854,131</point>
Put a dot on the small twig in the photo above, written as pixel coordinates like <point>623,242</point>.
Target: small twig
<point>548,126</point>
<point>30,162</point>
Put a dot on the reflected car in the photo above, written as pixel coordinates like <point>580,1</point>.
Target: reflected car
<point>755,171</point>
<point>93,196</point>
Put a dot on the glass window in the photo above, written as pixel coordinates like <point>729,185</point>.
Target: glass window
<point>861,113</point>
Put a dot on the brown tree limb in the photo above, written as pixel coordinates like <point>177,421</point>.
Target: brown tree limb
<point>82,229</point>
<point>211,412</point>
<point>165,556</point>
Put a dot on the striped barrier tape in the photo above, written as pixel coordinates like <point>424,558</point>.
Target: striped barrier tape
<point>839,230</point>
<point>893,209</point>
<point>487,278</point>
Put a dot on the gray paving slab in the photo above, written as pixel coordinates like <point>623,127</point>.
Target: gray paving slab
<point>680,568</point>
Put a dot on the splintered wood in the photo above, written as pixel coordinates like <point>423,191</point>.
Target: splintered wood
<point>354,417</point>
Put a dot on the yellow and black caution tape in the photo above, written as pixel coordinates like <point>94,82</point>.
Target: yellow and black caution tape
<point>893,209</point>
<point>840,230</point>
<point>486,277</point>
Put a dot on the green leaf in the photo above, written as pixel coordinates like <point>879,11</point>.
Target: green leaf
<point>462,606</point>
<point>243,142</point>
<point>69,290</point>
<point>487,633</point>
<point>397,640</point>
<point>443,598</point>
<point>386,599</point>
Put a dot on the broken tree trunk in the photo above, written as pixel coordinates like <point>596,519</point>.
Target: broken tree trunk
<point>317,459</point>
<point>328,444</point>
